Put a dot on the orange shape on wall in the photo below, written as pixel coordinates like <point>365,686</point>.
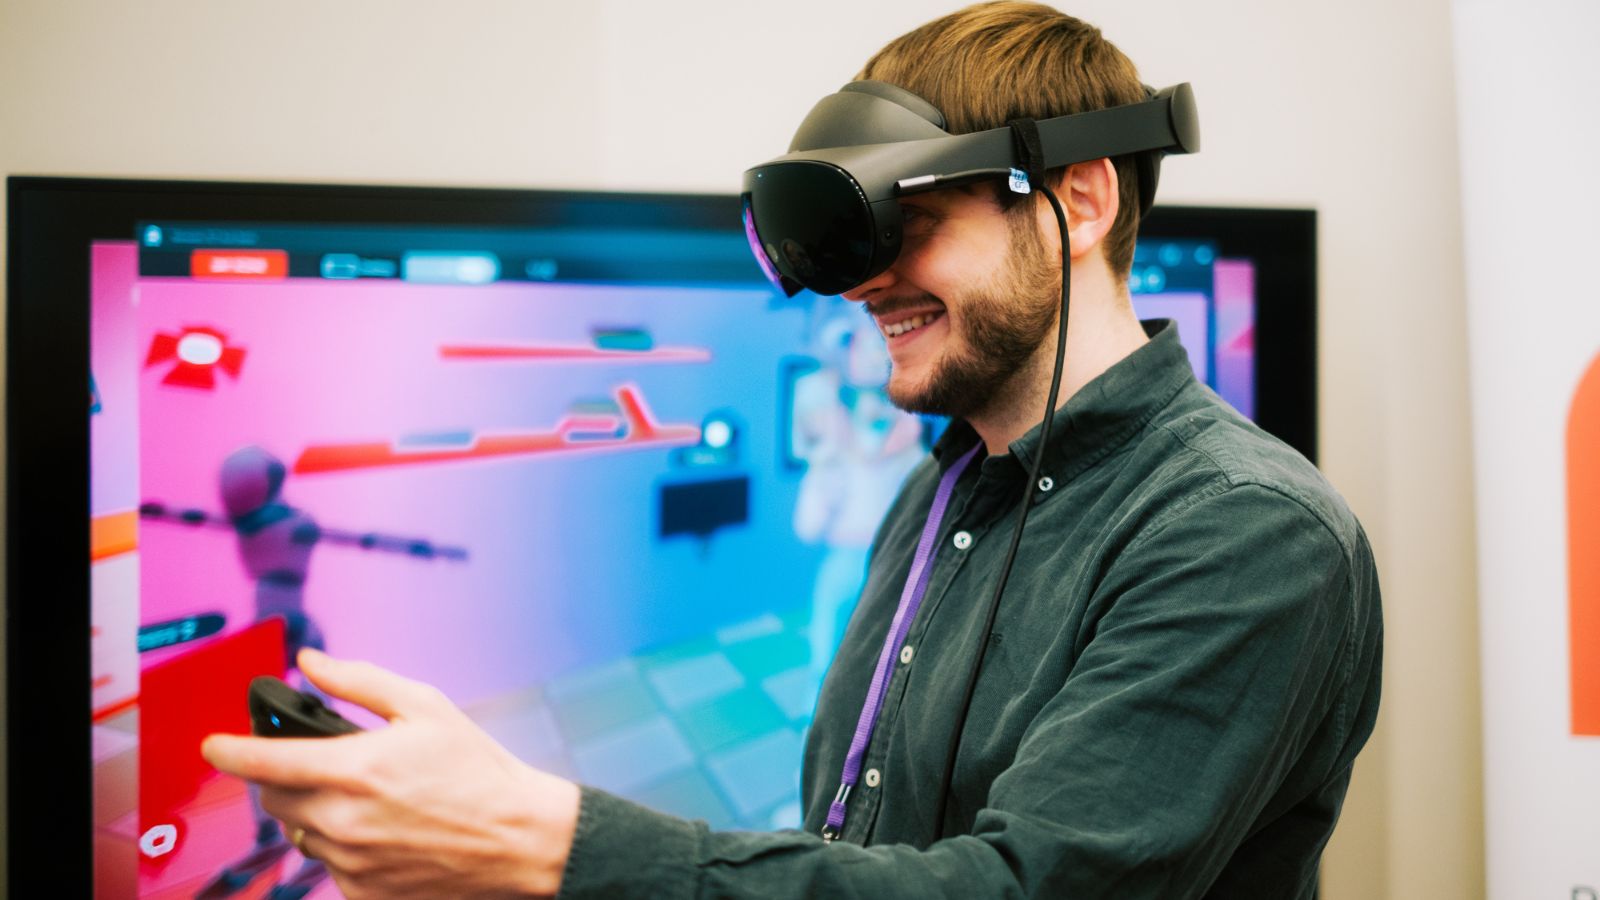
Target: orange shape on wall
<point>1583,550</point>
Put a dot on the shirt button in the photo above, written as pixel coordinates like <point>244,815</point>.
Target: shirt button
<point>1047,484</point>
<point>906,653</point>
<point>962,540</point>
<point>873,777</point>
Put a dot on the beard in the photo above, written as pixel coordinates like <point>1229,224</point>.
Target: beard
<point>1003,324</point>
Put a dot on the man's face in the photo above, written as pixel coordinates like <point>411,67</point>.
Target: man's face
<point>966,305</point>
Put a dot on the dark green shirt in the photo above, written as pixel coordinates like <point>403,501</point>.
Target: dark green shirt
<point>1184,666</point>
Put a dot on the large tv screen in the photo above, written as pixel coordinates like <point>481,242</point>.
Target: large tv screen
<point>566,456</point>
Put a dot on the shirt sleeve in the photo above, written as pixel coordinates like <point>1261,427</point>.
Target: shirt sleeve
<point>1215,649</point>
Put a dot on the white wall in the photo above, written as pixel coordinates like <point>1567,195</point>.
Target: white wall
<point>1528,78</point>
<point>1347,108</point>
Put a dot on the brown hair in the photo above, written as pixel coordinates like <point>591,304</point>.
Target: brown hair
<point>993,62</point>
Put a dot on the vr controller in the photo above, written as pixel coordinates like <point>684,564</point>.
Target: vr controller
<point>278,710</point>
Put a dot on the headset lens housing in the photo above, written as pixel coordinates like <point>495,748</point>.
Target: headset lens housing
<point>810,226</point>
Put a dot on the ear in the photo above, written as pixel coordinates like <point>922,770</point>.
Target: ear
<point>1088,195</point>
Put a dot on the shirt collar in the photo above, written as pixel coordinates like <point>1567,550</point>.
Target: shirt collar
<point>1102,416</point>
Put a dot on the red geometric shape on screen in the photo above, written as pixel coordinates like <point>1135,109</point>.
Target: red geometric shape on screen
<point>187,696</point>
<point>197,352</point>
<point>1244,341</point>
<point>571,353</point>
<point>634,428</point>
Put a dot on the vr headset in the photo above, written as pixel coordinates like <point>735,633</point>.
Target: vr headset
<point>826,216</point>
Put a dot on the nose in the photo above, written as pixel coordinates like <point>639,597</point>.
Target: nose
<point>873,287</point>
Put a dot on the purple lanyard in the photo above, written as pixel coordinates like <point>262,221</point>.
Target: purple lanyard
<point>910,600</point>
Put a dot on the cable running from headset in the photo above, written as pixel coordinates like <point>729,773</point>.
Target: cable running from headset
<point>954,747</point>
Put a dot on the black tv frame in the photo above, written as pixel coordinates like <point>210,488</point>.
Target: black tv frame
<point>52,222</point>
<point>1282,243</point>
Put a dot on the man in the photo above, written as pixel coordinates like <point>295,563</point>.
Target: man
<point>1183,668</point>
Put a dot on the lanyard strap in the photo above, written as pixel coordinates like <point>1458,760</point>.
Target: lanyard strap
<point>910,600</point>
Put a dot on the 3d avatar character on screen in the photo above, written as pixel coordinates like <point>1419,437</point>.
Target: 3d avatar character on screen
<point>275,545</point>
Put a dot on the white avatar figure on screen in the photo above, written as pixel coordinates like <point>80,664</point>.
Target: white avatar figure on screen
<point>858,448</point>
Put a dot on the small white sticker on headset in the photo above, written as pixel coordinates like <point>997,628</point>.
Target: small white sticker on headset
<point>1019,181</point>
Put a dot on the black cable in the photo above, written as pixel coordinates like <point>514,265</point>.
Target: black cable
<point>1022,517</point>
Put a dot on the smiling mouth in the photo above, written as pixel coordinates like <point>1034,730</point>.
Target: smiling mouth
<point>908,324</point>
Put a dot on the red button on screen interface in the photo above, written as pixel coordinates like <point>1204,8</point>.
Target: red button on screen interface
<point>256,264</point>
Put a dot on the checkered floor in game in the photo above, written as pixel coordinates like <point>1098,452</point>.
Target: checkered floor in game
<point>710,728</point>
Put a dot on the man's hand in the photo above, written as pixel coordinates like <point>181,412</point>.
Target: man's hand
<point>430,806</point>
